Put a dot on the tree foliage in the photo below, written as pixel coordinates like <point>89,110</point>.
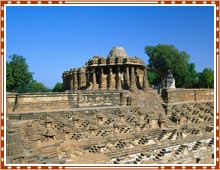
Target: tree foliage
<point>35,86</point>
<point>19,79</point>
<point>163,58</point>
<point>206,78</point>
<point>17,74</point>
<point>153,77</point>
<point>192,77</point>
<point>58,87</point>
<point>167,57</point>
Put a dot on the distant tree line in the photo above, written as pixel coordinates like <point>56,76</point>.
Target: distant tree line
<point>164,58</point>
<point>19,79</point>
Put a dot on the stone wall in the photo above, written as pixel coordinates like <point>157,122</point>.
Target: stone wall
<point>178,97</point>
<point>64,100</point>
<point>187,95</point>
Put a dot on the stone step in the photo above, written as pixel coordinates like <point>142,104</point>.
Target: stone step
<point>143,149</point>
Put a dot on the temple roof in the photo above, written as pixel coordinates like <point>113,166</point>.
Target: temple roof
<point>117,56</point>
<point>117,52</point>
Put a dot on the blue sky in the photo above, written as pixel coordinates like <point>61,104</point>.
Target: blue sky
<point>57,38</point>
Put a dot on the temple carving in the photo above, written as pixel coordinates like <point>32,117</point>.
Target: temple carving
<point>116,72</point>
<point>106,117</point>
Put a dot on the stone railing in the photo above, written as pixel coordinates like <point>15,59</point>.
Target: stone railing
<point>187,95</point>
<point>65,100</point>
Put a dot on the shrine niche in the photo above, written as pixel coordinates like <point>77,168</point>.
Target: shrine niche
<point>116,72</point>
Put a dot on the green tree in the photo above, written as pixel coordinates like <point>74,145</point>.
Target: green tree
<point>192,77</point>
<point>9,78</point>
<point>35,86</point>
<point>167,57</point>
<point>17,74</point>
<point>153,77</point>
<point>206,78</point>
<point>58,87</point>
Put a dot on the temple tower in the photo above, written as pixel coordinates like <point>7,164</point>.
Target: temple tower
<point>116,72</point>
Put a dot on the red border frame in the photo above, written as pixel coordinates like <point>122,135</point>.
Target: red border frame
<point>2,58</point>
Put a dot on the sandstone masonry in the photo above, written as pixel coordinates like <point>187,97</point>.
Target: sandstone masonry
<point>109,115</point>
<point>117,71</point>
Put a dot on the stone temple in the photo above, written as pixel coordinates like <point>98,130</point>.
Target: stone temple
<point>109,115</point>
<point>116,72</point>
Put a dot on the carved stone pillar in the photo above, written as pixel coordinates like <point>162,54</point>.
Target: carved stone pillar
<point>75,80</point>
<point>68,80</point>
<point>127,76</point>
<point>64,81</point>
<point>71,80</point>
<point>118,79</point>
<point>109,84</point>
<point>79,80</point>
<point>145,80</point>
<point>132,79</point>
<point>87,78</point>
<point>93,79</point>
<point>100,78</point>
<point>138,79</point>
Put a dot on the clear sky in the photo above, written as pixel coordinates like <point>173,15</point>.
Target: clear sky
<point>57,38</point>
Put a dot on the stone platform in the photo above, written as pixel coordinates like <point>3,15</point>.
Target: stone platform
<point>135,128</point>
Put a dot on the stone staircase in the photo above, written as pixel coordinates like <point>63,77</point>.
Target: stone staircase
<point>51,152</point>
<point>116,135</point>
<point>89,158</point>
<point>151,103</point>
<point>149,100</point>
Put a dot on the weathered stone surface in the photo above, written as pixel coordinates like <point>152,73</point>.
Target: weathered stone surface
<point>142,133</point>
<point>117,52</point>
<point>187,95</point>
<point>117,71</point>
<point>107,115</point>
<point>65,100</point>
